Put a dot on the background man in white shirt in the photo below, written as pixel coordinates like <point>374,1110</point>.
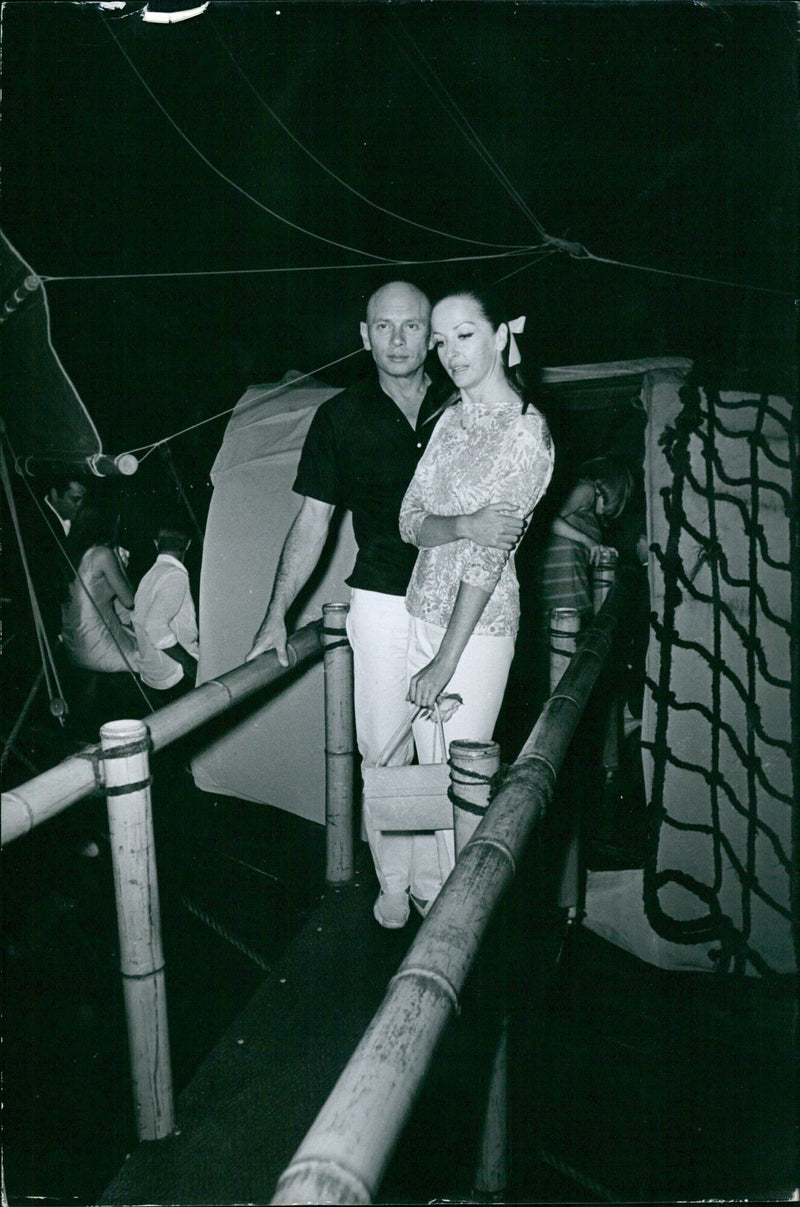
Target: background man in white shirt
<point>165,621</point>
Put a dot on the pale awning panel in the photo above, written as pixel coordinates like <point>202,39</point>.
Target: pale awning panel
<point>276,755</point>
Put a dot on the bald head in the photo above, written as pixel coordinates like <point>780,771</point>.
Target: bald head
<point>398,293</point>
<point>398,329</point>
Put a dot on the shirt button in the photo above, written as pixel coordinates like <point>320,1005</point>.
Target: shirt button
<point>419,445</point>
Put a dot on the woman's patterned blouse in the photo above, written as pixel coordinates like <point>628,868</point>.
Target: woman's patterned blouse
<point>477,455</point>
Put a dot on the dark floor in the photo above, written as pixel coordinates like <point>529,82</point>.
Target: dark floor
<point>627,1083</point>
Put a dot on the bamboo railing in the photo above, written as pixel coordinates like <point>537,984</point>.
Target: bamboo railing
<point>119,768</point>
<point>48,794</point>
<point>347,1149</point>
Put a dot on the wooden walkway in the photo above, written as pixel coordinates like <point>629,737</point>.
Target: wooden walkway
<point>242,1116</point>
<point>628,1083</point>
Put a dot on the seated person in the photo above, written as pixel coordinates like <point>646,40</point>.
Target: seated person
<point>165,621</point>
<point>100,650</point>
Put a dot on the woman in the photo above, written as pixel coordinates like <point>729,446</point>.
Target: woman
<point>488,449</point>
<point>98,645</point>
<point>579,534</point>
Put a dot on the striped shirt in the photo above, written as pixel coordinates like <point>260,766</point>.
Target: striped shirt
<point>565,579</point>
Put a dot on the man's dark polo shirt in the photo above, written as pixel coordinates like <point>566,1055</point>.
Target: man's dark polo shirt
<point>360,453</point>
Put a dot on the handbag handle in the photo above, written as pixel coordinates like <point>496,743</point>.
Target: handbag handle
<point>404,729</point>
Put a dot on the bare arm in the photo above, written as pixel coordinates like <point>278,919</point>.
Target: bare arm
<point>563,528</point>
<point>115,577</point>
<point>497,526</point>
<point>426,685</point>
<point>304,543</point>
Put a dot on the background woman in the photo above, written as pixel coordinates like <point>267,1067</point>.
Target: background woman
<point>100,649</point>
<point>579,534</point>
<point>463,598</point>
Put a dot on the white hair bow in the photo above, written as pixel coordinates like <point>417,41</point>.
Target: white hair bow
<point>515,327</point>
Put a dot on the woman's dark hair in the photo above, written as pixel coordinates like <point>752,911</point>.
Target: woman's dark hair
<point>495,314</point>
<point>95,524</point>
<point>613,475</point>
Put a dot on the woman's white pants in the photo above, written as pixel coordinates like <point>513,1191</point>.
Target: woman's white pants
<point>389,646</point>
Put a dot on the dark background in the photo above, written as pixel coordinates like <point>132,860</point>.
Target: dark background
<point>657,134</point>
<point>660,135</point>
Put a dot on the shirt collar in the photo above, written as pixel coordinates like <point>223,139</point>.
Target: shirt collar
<point>65,524</point>
<point>174,561</point>
<point>441,400</point>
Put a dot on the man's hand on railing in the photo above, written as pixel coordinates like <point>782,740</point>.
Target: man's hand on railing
<point>271,636</point>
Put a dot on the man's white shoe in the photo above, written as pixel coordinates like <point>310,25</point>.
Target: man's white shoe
<point>391,910</point>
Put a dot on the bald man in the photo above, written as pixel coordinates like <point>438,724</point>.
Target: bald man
<point>360,453</point>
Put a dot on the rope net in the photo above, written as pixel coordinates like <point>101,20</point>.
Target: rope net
<point>716,725</point>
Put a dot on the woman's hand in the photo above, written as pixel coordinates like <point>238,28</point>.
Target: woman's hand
<point>597,551</point>
<point>427,684</point>
<point>496,526</point>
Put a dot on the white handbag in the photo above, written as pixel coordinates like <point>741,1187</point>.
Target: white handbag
<point>413,797</point>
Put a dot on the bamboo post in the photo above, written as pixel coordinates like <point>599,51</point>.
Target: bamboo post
<point>603,577</point>
<point>492,1172</point>
<point>565,625</point>
<point>124,751</point>
<point>339,744</point>
<point>473,767</point>
<point>602,582</point>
